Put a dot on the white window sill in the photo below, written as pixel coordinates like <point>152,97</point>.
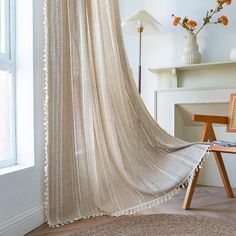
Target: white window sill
<point>11,169</point>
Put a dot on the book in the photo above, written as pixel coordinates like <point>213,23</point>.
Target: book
<point>224,143</point>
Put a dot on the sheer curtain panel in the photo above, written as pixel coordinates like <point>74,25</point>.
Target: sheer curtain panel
<point>105,154</point>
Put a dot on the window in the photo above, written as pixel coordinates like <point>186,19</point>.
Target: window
<point>7,84</point>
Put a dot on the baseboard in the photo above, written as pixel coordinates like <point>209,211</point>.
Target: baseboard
<point>23,223</point>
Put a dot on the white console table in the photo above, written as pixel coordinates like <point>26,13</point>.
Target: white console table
<point>199,88</point>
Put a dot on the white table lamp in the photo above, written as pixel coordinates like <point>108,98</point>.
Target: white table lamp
<point>141,22</point>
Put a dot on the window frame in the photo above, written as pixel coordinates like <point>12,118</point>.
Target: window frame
<point>7,63</point>
<point>5,58</point>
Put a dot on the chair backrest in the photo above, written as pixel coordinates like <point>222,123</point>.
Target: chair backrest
<point>231,127</point>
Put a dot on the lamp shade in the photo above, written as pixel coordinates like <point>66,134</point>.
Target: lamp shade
<point>141,19</point>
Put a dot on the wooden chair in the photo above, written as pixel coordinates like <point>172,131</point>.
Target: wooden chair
<point>209,135</point>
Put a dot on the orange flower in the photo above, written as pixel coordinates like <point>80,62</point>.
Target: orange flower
<point>191,24</point>
<point>228,2</point>
<point>223,20</point>
<point>176,20</point>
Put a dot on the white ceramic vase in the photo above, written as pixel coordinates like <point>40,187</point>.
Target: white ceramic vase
<point>191,53</point>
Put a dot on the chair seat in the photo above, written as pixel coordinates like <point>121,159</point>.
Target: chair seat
<point>215,148</point>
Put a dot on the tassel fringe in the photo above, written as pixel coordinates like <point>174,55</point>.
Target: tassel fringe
<point>45,60</point>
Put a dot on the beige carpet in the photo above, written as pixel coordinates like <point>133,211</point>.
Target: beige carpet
<point>158,225</point>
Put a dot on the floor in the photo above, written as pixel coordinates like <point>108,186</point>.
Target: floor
<point>209,201</point>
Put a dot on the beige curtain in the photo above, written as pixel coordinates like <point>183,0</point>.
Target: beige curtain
<point>105,153</point>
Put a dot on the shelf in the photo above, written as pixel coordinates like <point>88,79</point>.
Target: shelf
<point>196,75</point>
<point>194,66</point>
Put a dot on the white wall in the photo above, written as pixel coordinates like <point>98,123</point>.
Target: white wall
<point>21,197</point>
<point>165,49</point>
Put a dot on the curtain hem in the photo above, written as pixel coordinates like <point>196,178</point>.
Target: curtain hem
<point>146,205</point>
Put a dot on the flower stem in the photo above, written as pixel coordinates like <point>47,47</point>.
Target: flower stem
<point>208,17</point>
<point>200,28</point>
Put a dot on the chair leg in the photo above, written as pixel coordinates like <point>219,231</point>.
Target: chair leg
<point>190,191</point>
<point>208,134</point>
<point>223,174</point>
